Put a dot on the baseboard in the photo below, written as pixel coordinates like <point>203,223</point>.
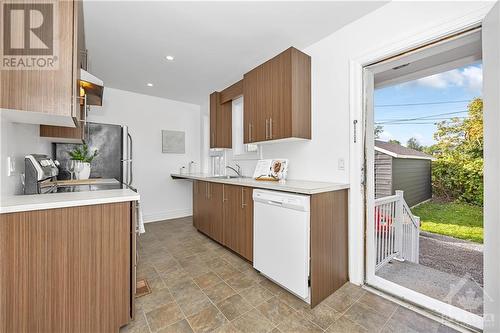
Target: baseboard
<point>173,214</point>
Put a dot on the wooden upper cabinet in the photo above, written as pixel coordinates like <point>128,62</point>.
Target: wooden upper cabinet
<point>220,122</point>
<point>50,94</point>
<point>277,98</point>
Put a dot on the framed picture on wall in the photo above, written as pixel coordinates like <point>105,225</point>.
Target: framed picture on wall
<point>173,142</point>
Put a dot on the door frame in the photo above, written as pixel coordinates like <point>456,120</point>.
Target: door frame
<point>358,128</point>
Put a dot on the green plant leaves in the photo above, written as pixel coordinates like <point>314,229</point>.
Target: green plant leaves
<point>82,154</point>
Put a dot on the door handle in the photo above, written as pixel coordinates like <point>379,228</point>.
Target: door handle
<point>243,204</point>
<point>270,128</point>
<point>267,128</point>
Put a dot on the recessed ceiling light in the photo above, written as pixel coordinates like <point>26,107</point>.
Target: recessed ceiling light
<point>149,84</point>
<point>169,58</point>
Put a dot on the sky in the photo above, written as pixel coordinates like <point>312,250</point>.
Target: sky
<point>398,118</point>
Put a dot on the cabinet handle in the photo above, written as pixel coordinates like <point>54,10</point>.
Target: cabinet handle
<point>267,128</point>
<point>212,142</point>
<point>250,132</point>
<point>270,128</point>
<point>243,204</point>
<point>224,193</point>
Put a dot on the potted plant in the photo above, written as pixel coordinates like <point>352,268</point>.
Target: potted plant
<point>82,158</point>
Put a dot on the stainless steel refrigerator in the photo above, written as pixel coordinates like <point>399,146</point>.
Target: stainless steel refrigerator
<point>114,159</point>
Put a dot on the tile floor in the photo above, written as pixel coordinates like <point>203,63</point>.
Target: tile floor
<point>199,286</point>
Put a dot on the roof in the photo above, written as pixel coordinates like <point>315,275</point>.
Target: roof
<point>398,151</point>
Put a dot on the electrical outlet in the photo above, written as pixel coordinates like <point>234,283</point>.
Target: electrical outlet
<point>341,164</point>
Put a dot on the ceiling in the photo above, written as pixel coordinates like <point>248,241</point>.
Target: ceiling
<point>214,43</point>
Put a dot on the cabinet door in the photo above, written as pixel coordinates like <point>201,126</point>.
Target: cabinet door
<point>245,244</point>
<point>214,210</point>
<point>224,133</point>
<point>232,216</point>
<point>278,96</point>
<point>214,105</point>
<point>202,209</point>
<point>254,105</point>
<point>47,91</point>
<point>196,204</point>
<point>238,220</point>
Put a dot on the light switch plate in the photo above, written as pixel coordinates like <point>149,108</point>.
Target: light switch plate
<point>341,164</point>
<point>11,166</point>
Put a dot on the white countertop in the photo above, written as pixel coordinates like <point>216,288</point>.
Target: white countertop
<point>23,203</point>
<point>295,186</point>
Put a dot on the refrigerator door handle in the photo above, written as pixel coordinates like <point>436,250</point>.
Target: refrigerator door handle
<point>131,178</point>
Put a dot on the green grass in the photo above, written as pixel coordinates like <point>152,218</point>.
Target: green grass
<point>452,219</point>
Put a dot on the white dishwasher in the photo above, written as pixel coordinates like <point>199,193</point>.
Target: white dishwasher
<point>281,239</point>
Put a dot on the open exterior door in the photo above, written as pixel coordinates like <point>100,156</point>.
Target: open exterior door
<point>491,109</point>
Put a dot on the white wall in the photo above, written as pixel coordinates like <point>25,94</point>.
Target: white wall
<point>16,141</point>
<point>146,116</point>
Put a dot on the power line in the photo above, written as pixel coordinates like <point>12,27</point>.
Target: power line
<point>414,104</point>
<point>387,121</point>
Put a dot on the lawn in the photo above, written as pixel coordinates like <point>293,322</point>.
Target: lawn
<point>452,219</point>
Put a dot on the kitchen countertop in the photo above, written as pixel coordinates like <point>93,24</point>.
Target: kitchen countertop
<point>23,203</point>
<point>295,186</point>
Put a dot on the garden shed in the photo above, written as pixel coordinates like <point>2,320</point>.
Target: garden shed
<point>401,168</point>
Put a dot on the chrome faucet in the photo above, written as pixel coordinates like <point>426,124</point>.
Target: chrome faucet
<point>238,171</point>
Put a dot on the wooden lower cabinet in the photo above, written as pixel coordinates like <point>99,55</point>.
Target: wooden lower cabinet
<point>233,206</point>
<point>207,209</point>
<point>67,269</point>
<point>238,220</point>
<point>225,214</point>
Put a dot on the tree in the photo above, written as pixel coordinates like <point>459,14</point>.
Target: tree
<point>414,144</point>
<point>394,141</point>
<point>378,130</point>
<point>457,173</point>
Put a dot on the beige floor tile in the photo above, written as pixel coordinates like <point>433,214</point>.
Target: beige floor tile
<point>193,303</point>
<point>322,315</point>
<point>207,320</point>
<point>157,284</point>
<point>298,324</point>
<point>365,316</point>
<point>147,271</point>
<point>256,295</point>
<point>226,328</point>
<point>378,303</point>
<point>219,292</point>
<point>272,287</point>
<point>293,301</point>
<point>174,278</point>
<point>343,298</point>
<point>344,325</point>
<point>184,288</point>
<point>207,280</point>
<point>225,271</point>
<point>234,306</point>
<point>154,300</point>
<point>253,322</point>
<point>275,310</point>
<point>164,316</point>
<point>240,281</point>
<point>178,327</point>
<point>405,320</point>
<point>139,325</point>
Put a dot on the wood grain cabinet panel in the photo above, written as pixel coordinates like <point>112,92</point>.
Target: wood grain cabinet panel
<point>277,98</point>
<point>67,269</point>
<point>48,92</point>
<point>220,122</point>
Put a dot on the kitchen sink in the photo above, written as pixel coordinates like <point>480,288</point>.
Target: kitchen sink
<point>226,177</point>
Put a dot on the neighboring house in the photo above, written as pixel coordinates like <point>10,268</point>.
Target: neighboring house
<point>405,169</point>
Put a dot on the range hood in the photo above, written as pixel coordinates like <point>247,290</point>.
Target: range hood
<point>91,86</point>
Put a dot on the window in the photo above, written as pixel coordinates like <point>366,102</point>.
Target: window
<point>240,150</point>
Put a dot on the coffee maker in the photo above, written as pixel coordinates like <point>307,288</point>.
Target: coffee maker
<point>38,170</point>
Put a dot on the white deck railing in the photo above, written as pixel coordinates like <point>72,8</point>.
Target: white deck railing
<point>397,230</point>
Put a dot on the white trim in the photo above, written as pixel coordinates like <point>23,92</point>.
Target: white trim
<point>357,207</point>
<point>173,214</point>
<point>414,157</point>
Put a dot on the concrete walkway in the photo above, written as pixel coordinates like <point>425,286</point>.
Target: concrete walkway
<point>450,270</point>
